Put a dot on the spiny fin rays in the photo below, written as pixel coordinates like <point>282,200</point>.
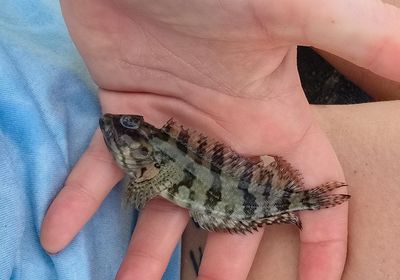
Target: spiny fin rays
<point>212,223</point>
<point>233,164</point>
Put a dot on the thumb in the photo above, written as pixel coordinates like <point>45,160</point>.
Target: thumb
<point>365,32</point>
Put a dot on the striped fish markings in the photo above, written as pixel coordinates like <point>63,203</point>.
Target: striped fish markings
<point>222,190</point>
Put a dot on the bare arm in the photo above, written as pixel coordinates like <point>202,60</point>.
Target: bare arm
<point>366,138</point>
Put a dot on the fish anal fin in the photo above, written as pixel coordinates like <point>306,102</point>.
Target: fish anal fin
<point>285,218</point>
<point>212,223</point>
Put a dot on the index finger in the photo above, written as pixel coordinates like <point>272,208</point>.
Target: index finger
<point>89,182</point>
<point>323,239</point>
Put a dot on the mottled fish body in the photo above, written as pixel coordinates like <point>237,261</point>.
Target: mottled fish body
<point>221,189</point>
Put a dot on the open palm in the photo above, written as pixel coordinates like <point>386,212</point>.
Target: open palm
<point>227,68</point>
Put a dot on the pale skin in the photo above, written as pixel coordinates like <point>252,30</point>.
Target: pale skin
<point>227,68</point>
<point>379,87</point>
<point>366,140</point>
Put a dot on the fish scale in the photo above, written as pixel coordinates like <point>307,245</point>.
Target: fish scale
<point>222,190</point>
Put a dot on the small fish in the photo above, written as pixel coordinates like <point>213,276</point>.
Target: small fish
<point>222,190</point>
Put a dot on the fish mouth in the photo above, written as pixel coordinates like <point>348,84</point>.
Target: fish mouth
<point>101,123</point>
<point>105,123</point>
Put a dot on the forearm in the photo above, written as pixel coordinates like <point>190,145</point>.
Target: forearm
<point>365,137</point>
<point>366,140</point>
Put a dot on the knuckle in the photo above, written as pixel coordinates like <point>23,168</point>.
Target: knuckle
<point>82,190</point>
<point>323,242</point>
<point>98,155</point>
<point>146,257</point>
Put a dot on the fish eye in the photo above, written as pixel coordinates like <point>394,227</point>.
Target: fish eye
<point>129,122</point>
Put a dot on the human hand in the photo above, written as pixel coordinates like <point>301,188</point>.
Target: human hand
<point>227,68</point>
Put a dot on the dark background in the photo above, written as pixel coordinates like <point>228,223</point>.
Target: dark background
<point>325,85</point>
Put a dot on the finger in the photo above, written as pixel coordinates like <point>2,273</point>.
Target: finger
<point>379,88</point>
<point>324,236</point>
<point>323,244</point>
<point>91,179</point>
<point>363,32</point>
<point>229,256</point>
<point>159,227</point>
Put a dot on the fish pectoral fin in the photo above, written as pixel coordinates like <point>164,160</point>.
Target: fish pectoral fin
<point>213,223</point>
<point>139,193</point>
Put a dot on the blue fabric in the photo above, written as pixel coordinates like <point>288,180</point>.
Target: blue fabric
<point>48,113</point>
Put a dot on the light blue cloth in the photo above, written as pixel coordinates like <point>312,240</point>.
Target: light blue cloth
<point>48,112</point>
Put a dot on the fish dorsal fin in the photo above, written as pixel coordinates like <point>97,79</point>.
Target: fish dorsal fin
<point>214,154</point>
<point>290,177</point>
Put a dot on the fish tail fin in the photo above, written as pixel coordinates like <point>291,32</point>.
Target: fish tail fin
<point>318,197</point>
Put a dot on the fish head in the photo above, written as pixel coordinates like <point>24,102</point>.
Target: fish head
<point>127,137</point>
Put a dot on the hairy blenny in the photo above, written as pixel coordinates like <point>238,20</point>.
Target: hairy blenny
<point>222,190</point>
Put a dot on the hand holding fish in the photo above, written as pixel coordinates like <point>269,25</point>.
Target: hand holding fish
<point>228,69</point>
